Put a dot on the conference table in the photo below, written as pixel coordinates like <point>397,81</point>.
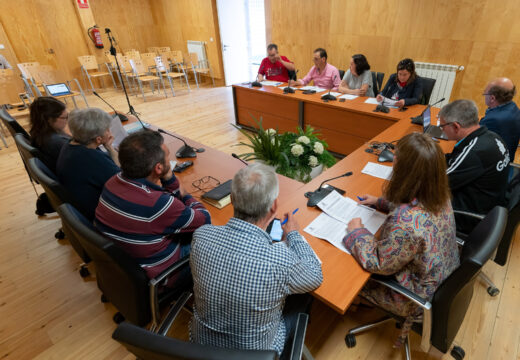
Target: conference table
<point>343,278</point>
<point>345,126</point>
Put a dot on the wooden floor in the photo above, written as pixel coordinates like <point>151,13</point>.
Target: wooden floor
<point>47,311</point>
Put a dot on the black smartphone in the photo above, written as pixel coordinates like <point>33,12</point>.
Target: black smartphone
<point>275,229</point>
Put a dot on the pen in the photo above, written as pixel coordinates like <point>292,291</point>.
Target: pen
<point>294,212</point>
<point>360,198</point>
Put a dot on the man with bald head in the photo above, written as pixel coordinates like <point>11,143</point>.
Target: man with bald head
<point>502,115</point>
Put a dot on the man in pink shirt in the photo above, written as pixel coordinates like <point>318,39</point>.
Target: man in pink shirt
<point>322,73</point>
<point>275,67</point>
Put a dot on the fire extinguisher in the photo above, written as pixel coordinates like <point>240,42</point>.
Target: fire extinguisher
<point>95,36</point>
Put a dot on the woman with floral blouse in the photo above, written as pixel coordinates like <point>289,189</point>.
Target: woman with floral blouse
<point>417,245</point>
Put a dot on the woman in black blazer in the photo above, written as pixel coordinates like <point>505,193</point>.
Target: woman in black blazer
<point>405,86</point>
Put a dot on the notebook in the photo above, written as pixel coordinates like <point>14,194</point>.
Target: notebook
<point>219,196</point>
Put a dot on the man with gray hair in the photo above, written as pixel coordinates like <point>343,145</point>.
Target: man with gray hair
<point>82,168</point>
<point>478,166</point>
<point>242,278</point>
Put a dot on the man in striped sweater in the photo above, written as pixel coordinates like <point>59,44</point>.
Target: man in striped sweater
<point>478,166</point>
<point>145,210</point>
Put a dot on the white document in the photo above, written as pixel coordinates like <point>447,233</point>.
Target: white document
<point>315,88</point>
<point>271,83</point>
<point>333,93</point>
<point>345,209</point>
<point>118,131</point>
<point>135,126</point>
<point>372,101</point>
<point>377,170</point>
<point>328,228</point>
<point>348,97</point>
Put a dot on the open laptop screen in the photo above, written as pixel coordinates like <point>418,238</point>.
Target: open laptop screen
<point>426,117</point>
<point>58,89</point>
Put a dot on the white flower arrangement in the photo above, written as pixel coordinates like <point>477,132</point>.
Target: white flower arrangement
<point>313,161</point>
<point>271,132</point>
<point>318,148</point>
<point>297,150</point>
<point>303,139</point>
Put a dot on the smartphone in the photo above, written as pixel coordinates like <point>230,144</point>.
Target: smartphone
<point>275,229</point>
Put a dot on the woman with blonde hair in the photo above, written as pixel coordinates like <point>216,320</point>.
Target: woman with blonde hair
<point>417,245</point>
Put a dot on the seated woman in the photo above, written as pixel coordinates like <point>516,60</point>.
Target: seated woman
<point>83,168</point>
<point>48,118</point>
<point>358,78</point>
<point>405,86</point>
<point>417,245</point>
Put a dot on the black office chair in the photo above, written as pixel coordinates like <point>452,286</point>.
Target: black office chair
<point>292,74</point>
<point>119,277</point>
<point>428,85</point>
<point>443,316</point>
<point>58,195</point>
<point>147,345</point>
<point>341,74</point>
<point>377,81</point>
<point>12,125</point>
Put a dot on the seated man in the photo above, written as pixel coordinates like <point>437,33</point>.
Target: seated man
<point>242,279</point>
<point>275,67</point>
<point>82,168</point>
<point>502,115</point>
<point>322,73</point>
<point>144,207</point>
<point>477,167</point>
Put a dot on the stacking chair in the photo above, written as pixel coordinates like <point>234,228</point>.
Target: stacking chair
<point>126,70</point>
<point>133,54</point>
<point>119,277</point>
<point>12,125</point>
<point>341,74</point>
<point>163,50</point>
<point>428,85</point>
<point>58,195</point>
<point>27,151</point>
<point>149,60</point>
<point>170,75</point>
<point>148,345</point>
<point>377,81</point>
<point>443,316</point>
<point>153,49</point>
<point>200,67</point>
<point>141,74</point>
<point>90,69</point>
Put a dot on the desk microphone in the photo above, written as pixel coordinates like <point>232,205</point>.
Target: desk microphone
<point>329,96</point>
<point>184,151</point>
<point>382,108</point>
<point>121,116</point>
<point>288,89</point>
<point>316,196</point>
<point>238,158</point>
<point>257,83</point>
<point>419,120</point>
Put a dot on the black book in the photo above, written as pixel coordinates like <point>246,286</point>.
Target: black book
<point>219,196</point>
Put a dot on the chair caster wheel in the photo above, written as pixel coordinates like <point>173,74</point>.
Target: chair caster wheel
<point>493,291</point>
<point>458,353</point>
<point>350,340</point>
<point>60,235</point>
<point>104,299</point>
<point>83,271</point>
<point>118,318</point>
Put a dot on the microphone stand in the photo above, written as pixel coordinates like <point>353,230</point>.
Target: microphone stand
<point>120,116</point>
<point>185,151</point>
<point>288,89</point>
<point>330,97</point>
<point>381,107</point>
<point>420,118</point>
<point>113,52</point>
<point>239,159</point>
<point>316,196</point>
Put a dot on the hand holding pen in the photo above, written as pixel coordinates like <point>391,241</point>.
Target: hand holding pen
<point>289,224</point>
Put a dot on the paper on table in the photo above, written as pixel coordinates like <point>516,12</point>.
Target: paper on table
<point>118,131</point>
<point>345,209</point>
<point>348,97</point>
<point>133,127</point>
<point>270,83</point>
<point>315,88</point>
<point>372,101</point>
<point>388,102</point>
<point>328,228</point>
<point>377,170</point>
<point>333,93</point>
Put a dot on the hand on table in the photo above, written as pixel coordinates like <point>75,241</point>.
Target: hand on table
<point>399,103</point>
<point>379,98</point>
<point>368,199</point>
<point>354,224</point>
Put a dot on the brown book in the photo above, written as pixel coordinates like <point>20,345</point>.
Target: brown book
<point>219,196</point>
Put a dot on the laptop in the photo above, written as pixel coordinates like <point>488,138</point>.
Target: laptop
<point>58,89</point>
<point>432,130</point>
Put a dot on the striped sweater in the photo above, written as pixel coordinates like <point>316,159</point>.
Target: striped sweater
<point>142,218</point>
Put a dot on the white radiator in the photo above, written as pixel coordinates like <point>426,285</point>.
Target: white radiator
<point>445,76</point>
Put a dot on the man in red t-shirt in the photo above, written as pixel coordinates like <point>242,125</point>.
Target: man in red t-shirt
<point>275,67</point>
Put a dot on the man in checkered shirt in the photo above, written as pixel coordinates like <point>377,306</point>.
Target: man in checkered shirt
<point>242,279</point>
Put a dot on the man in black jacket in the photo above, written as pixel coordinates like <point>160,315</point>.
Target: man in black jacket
<point>478,166</point>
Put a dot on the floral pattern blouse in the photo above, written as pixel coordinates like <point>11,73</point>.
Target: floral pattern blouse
<point>418,248</point>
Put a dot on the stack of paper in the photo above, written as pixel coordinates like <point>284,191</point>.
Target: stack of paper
<point>333,93</point>
<point>348,97</point>
<point>377,170</point>
<point>271,83</point>
<point>315,88</point>
<point>331,225</point>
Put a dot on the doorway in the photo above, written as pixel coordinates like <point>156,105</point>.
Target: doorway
<point>243,39</point>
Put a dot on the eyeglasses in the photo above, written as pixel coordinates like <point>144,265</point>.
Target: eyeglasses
<point>205,183</point>
<point>442,126</point>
